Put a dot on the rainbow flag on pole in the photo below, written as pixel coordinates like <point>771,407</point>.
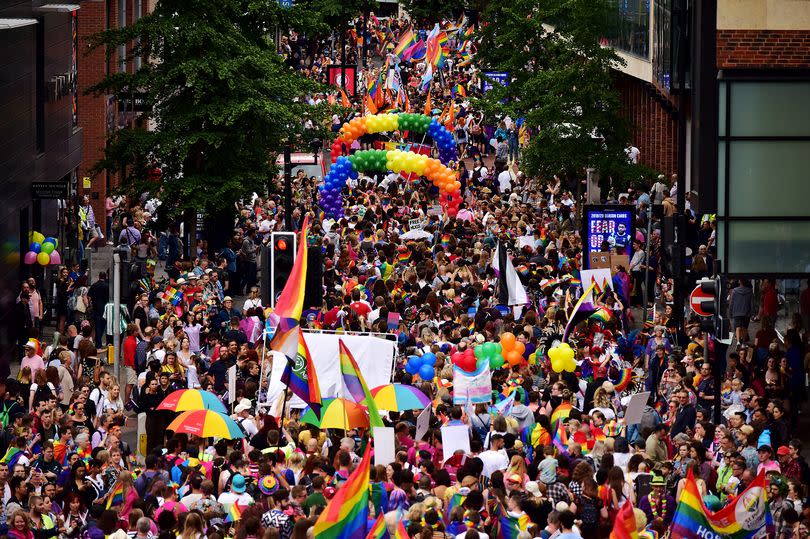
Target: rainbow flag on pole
<point>346,514</point>
<point>378,530</point>
<point>356,385</point>
<point>234,513</point>
<point>117,495</point>
<point>406,41</point>
<point>290,303</point>
<point>560,412</point>
<point>692,520</point>
<point>625,525</point>
<point>299,373</point>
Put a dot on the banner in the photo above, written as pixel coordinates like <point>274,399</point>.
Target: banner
<point>374,356</point>
<point>474,387</point>
<point>746,517</point>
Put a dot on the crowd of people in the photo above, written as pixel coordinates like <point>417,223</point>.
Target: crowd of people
<point>68,471</point>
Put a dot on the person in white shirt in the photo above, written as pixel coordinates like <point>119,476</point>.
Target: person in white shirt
<point>495,458</point>
<point>236,494</point>
<point>253,300</point>
<point>505,181</point>
<point>243,418</point>
<point>632,153</point>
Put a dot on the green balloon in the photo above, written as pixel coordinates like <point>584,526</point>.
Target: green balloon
<point>498,347</point>
<point>479,352</point>
<point>48,247</point>
<point>495,362</point>
<point>489,349</point>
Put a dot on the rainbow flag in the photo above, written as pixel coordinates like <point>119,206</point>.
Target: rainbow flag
<point>401,532</point>
<point>625,525</point>
<point>379,497</point>
<point>625,377</point>
<point>60,452</point>
<point>12,456</point>
<point>403,256</point>
<point>582,310</point>
<point>172,295</point>
<point>458,89</point>
<point>290,303</point>
<point>692,520</point>
<point>234,513</point>
<point>509,527</point>
<point>117,495</point>
<point>346,514</point>
<point>560,440</point>
<point>406,41</point>
<point>378,530</point>
<point>299,373</point>
<point>456,500</point>
<point>549,285</point>
<point>416,52</point>
<point>601,314</point>
<point>356,386</point>
<point>560,412</point>
<point>445,240</point>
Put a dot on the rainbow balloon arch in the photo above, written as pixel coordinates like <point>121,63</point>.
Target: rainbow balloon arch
<point>436,171</point>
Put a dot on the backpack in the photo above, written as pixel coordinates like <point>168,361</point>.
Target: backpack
<point>4,414</point>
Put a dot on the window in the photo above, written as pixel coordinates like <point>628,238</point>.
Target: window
<point>122,49</point>
<point>631,27</point>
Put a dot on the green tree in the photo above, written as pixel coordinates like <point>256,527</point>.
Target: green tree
<point>222,101</point>
<point>560,81</point>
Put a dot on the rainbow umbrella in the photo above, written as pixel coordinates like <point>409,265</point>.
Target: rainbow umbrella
<point>337,414</point>
<point>184,400</point>
<point>205,424</point>
<point>399,397</point>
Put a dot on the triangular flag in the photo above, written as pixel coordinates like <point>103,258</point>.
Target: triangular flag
<point>344,100</point>
<point>428,106</point>
<point>370,106</point>
<point>451,117</point>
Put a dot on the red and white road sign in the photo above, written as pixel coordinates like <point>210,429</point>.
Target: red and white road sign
<point>696,297</point>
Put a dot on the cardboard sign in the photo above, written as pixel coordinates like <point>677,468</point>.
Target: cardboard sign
<point>422,423</point>
<point>416,224</point>
<point>384,446</point>
<point>455,438</point>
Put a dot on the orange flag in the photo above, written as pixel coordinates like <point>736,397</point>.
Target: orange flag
<point>331,99</point>
<point>428,105</point>
<point>370,106</point>
<point>344,101</point>
<point>451,117</point>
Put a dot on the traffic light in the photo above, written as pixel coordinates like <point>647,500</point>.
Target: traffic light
<point>282,257</point>
<point>717,323</point>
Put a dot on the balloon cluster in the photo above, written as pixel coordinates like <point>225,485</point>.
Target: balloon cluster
<point>444,141</point>
<point>422,365</point>
<point>562,358</point>
<point>331,200</point>
<point>512,349</point>
<point>42,250</point>
<point>465,360</point>
<point>491,353</point>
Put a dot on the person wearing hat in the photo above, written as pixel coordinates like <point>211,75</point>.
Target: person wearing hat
<point>658,506</point>
<point>31,359</point>
<point>766,462</point>
<point>243,418</point>
<point>236,494</point>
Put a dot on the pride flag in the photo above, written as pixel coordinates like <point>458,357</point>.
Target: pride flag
<point>379,497</point>
<point>406,41</point>
<point>560,412</point>
<point>234,513</point>
<point>401,532</point>
<point>458,89</point>
<point>356,386</point>
<point>346,514</point>
<point>299,373</point>
<point>290,303</point>
<point>625,525</point>
<point>117,495</point>
<point>601,314</point>
<point>747,516</point>
<point>582,310</point>
<point>12,456</point>
<point>625,377</point>
<point>560,440</point>
<point>172,295</point>
<point>509,527</point>
<point>378,530</point>
<point>416,52</point>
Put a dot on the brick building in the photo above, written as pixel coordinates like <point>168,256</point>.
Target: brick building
<point>766,35</point>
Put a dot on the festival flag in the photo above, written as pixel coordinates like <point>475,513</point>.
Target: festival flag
<point>116,496</point>
<point>401,532</point>
<point>456,500</point>
<point>625,525</point>
<point>290,303</point>
<point>331,100</point>
<point>12,456</point>
<point>370,106</point>
<point>428,105</point>
<point>344,99</point>
<point>406,41</point>
<point>379,497</point>
<point>172,295</point>
<point>510,289</point>
<point>747,516</point>
<point>509,527</point>
<point>60,452</point>
<point>378,529</point>
<point>234,513</point>
<point>601,314</point>
<point>560,413</point>
<point>582,310</point>
<point>299,373</point>
<point>458,89</point>
<point>504,407</point>
<point>416,52</point>
<point>356,385</point>
<point>560,440</point>
<point>451,117</point>
<point>346,514</point>
<point>625,377</point>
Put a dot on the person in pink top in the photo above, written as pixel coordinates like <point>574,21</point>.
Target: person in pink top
<point>765,452</point>
<point>31,359</point>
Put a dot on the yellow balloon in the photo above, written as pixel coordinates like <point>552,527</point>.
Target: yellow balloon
<point>43,259</point>
<point>36,237</point>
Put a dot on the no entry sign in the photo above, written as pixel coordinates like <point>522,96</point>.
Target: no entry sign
<point>696,297</point>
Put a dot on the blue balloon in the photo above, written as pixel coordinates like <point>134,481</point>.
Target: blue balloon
<point>409,368</point>
<point>429,358</point>
<point>416,361</point>
<point>426,372</point>
<point>36,247</point>
<point>51,239</point>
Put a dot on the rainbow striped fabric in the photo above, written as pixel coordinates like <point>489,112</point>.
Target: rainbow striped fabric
<point>625,377</point>
<point>692,520</point>
<point>401,532</point>
<point>299,373</point>
<point>117,495</point>
<point>582,310</point>
<point>356,385</point>
<point>234,513</point>
<point>346,514</point>
<point>601,314</point>
<point>290,303</point>
<point>378,530</point>
<point>560,440</point>
<point>509,527</point>
<point>625,525</point>
<point>560,412</point>
<point>406,41</point>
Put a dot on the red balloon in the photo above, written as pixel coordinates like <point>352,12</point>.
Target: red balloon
<point>469,353</point>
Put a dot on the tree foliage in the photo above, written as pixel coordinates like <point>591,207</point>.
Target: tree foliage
<point>432,11</point>
<point>223,102</point>
<point>560,81</point>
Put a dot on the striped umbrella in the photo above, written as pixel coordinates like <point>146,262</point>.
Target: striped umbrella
<point>184,400</point>
<point>399,397</point>
<point>206,424</point>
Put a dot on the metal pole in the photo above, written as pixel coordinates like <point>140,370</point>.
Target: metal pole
<point>680,228</point>
<point>117,314</point>
<point>646,292</point>
<point>365,41</point>
<point>287,189</point>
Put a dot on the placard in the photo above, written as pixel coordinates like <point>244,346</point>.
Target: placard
<point>635,408</point>
<point>416,224</point>
<point>384,446</point>
<point>423,423</point>
<point>232,385</point>
<point>475,387</point>
<point>435,210</point>
<point>455,438</point>
<point>608,228</point>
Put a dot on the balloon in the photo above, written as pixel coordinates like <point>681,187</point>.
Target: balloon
<point>479,352</point>
<point>30,257</point>
<point>508,340</point>
<point>43,259</point>
<point>56,258</point>
<point>513,358</point>
<point>489,348</point>
<point>426,372</point>
<point>519,347</point>
<point>51,239</point>
<point>48,247</point>
<point>562,358</point>
<point>469,353</point>
<point>410,368</point>
<point>429,358</point>
<point>35,247</point>
<point>35,237</point>
<point>498,347</point>
<point>416,361</point>
<point>495,362</point>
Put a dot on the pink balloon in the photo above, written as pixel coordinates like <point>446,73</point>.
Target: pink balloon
<point>30,257</point>
<point>56,258</point>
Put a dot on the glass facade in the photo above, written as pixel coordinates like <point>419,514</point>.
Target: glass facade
<point>662,43</point>
<point>631,27</point>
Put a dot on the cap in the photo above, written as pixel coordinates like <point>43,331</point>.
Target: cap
<point>268,485</point>
<point>765,447</point>
<point>783,450</point>
<point>533,488</point>
<point>181,281</point>
<point>658,481</point>
<point>515,478</point>
<point>243,405</point>
<point>227,298</point>
<point>238,483</point>
<point>31,344</point>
